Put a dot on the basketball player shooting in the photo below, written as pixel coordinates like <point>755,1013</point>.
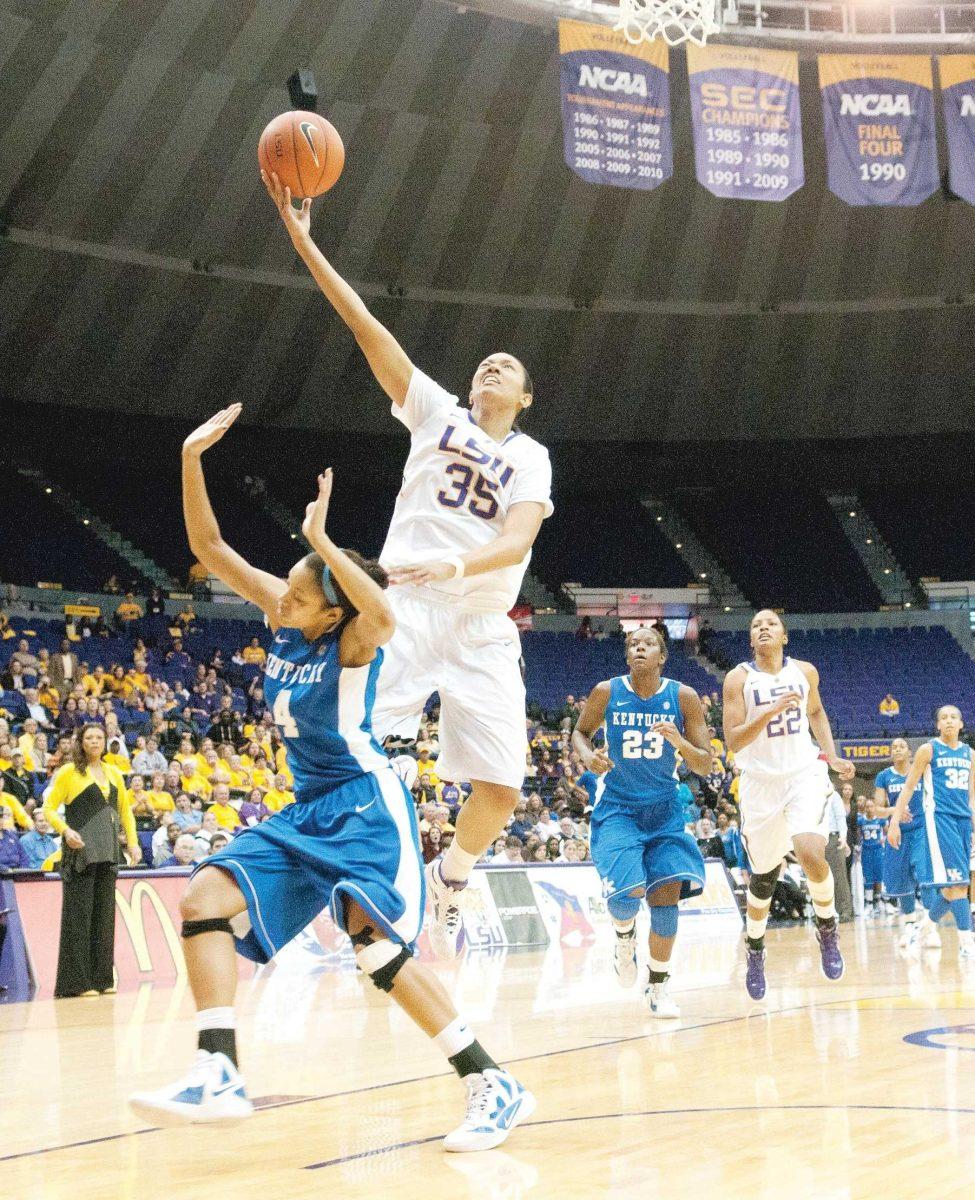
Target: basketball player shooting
<point>475,492</point>
<point>771,707</point>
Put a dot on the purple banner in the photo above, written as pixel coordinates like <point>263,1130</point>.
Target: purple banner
<point>615,107</point>
<point>957,73</point>
<point>878,113</point>
<point>747,129</point>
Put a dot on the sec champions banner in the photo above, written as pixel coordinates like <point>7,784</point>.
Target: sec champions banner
<point>615,106</point>
<point>747,131</point>
<point>957,73</point>
<point>878,112</point>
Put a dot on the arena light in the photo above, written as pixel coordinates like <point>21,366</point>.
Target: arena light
<point>704,574</point>
<point>907,604</point>
<point>678,545</point>
<point>85,521</point>
<point>293,536</point>
<point>886,570</point>
<point>727,608</point>
<point>659,518</point>
<point>852,514</point>
<point>869,541</point>
<point>49,490</point>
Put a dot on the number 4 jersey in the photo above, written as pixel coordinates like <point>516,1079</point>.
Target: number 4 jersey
<point>785,746</point>
<point>458,485</point>
<point>644,763</point>
<point>324,711</point>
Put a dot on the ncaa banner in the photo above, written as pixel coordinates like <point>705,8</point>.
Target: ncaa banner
<point>957,72</point>
<point>747,131</point>
<point>878,112</point>
<point>615,106</point>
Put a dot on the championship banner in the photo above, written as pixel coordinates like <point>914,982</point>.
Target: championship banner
<point>747,130</point>
<point>615,106</point>
<point>878,112</point>
<point>957,72</point>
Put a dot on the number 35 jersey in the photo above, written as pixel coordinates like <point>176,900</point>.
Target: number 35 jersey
<point>323,710</point>
<point>785,745</point>
<point>458,486</point>
<point>644,763</point>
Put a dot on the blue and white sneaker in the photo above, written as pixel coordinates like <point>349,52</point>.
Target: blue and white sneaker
<point>211,1092</point>
<point>446,929</point>
<point>496,1103</point>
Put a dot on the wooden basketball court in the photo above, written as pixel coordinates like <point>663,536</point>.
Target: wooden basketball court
<point>864,1088</point>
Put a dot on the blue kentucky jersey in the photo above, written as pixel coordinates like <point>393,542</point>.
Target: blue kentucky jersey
<point>872,830</point>
<point>324,711</point>
<point>645,764</point>
<point>946,780</point>
<point>892,782</point>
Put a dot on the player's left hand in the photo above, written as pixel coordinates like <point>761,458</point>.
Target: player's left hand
<point>135,854</point>
<point>313,526</point>
<point>843,767</point>
<point>428,572</point>
<point>668,731</point>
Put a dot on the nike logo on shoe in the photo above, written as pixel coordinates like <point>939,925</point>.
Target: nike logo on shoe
<point>509,1114</point>
<point>227,1087</point>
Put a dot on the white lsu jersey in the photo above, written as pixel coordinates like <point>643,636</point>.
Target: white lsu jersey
<point>785,745</point>
<point>458,485</point>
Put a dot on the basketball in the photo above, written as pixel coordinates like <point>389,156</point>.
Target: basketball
<point>305,152</point>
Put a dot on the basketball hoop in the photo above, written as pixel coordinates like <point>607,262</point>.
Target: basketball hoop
<point>675,21</point>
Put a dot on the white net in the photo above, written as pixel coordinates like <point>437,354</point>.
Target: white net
<point>675,21</point>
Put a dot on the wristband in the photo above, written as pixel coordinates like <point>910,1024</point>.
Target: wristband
<point>457,563</point>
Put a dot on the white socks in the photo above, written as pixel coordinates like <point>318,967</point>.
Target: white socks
<point>823,895</point>
<point>456,864</point>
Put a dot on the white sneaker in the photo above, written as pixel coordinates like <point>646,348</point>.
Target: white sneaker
<point>212,1091</point>
<point>624,958</point>
<point>910,936</point>
<point>930,937</point>
<point>496,1103</point>
<point>446,930</point>
<point>966,950</point>
<point>660,1002</point>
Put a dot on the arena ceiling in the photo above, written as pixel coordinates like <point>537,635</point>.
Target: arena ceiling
<point>143,268</point>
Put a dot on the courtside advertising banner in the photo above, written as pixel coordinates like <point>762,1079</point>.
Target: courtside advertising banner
<point>615,107</point>
<point>878,112</point>
<point>957,73</point>
<point>747,128</point>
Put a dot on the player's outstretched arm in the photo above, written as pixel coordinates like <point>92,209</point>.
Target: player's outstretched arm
<point>374,623</point>
<point>738,731</point>
<point>206,541</point>
<point>819,724</point>
<point>386,357</point>
<point>592,716</point>
<point>922,760</point>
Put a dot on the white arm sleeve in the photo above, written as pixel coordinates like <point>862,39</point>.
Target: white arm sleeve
<point>424,399</point>
<point>533,481</point>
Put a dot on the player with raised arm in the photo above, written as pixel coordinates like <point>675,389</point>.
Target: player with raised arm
<point>638,842</point>
<point>900,870</point>
<point>475,492</point>
<point>772,711</point>
<point>943,767</point>
<point>349,842</point>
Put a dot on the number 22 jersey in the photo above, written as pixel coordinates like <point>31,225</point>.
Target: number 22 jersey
<point>458,485</point>
<point>785,745</point>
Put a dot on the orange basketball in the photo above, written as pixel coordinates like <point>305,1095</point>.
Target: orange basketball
<point>304,151</point>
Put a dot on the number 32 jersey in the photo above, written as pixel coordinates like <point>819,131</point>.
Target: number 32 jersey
<point>323,710</point>
<point>458,485</point>
<point>644,763</point>
<point>785,745</point>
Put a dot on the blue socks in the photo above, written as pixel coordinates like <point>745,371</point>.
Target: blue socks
<point>962,913</point>
<point>907,903</point>
<point>938,907</point>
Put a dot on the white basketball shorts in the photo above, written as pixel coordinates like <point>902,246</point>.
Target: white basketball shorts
<point>473,661</point>
<point>774,809</point>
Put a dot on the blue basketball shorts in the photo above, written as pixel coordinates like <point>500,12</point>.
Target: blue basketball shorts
<point>359,840</point>
<point>872,862</point>
<point>946,850</point>
<point>643,847</point>
<point>902,867</point>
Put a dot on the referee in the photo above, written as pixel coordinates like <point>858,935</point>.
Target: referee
<point>96,807</point>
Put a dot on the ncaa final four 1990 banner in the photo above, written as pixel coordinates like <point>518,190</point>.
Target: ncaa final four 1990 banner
<point>878,112</point>
<point>747,131</point>
<point>615,106</point>
<point>957,73</point>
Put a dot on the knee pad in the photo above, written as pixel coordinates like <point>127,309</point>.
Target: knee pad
<point>382,961</point>
<point>663,920</point>
<point>623,908</point>
<point>763,886</point>
<point>208,925</point>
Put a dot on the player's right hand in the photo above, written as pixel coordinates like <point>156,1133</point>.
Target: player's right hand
<point>894,833</point>
<point>789,700</point>
<point>297,221</point>
<point>599,762</point>
<point>73,839</point>
<point>203,437</point>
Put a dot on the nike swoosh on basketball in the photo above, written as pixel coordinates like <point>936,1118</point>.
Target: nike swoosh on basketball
<point>361,808</point>
<point>306,128</point>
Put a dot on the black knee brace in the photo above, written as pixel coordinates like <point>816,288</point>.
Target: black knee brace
<point>762,887</point>
<point>208,925</point>
<point>383,978</point>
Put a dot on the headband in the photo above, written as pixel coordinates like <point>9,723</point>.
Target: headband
<point>329,588</point>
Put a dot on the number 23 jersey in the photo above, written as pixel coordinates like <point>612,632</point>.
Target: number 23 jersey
<point>785,745</point>
<point>458,485</point>
<point>644,763</point>
<point>323,710</point>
